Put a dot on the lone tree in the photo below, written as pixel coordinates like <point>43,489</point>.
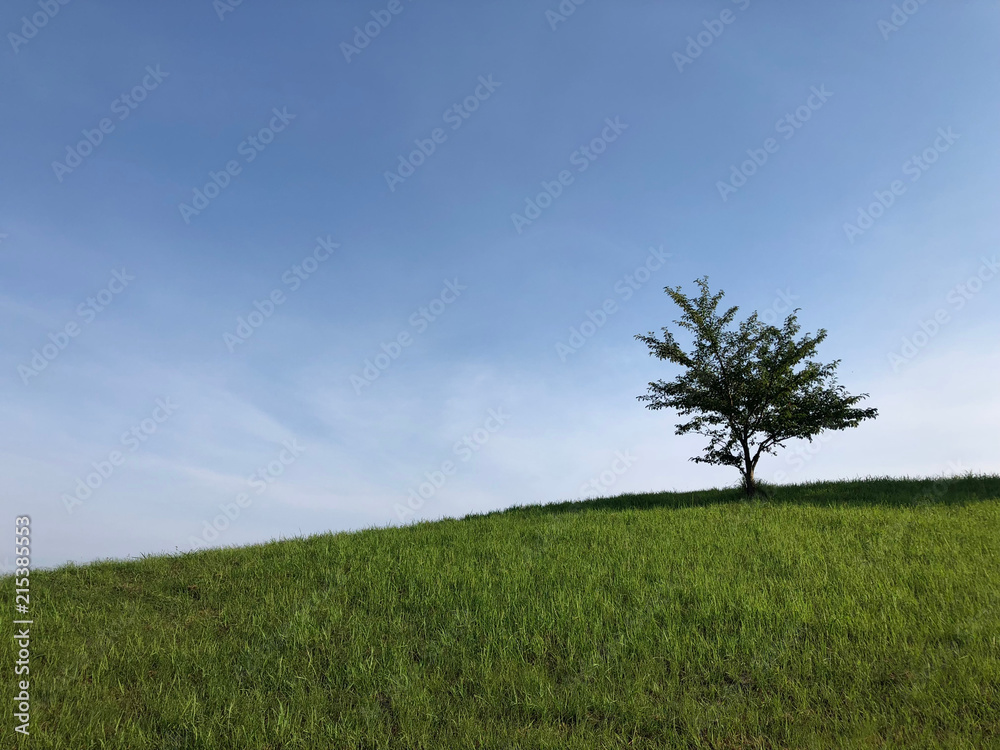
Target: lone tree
<point>748,390</point>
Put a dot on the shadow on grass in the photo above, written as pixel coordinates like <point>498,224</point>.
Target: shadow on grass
<point>900,493</point>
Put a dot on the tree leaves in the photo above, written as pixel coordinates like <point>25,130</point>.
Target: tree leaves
<point>747,390</point>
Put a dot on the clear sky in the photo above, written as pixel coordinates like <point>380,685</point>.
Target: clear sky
<point>265,269</point>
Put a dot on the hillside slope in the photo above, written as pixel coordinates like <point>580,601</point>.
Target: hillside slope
<point>850,614</point>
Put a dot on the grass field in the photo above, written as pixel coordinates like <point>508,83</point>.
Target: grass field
<point>854,614</point>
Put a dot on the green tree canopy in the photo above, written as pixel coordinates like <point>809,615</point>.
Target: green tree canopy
<point>750,389</point>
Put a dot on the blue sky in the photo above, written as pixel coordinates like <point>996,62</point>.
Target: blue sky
<point>621,111</point>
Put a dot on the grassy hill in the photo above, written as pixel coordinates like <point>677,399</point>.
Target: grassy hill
<point>855,614</point>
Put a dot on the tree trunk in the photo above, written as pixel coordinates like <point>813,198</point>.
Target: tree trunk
<point>748,472</point>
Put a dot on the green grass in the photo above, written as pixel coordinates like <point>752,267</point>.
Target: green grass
<point>854,614</point>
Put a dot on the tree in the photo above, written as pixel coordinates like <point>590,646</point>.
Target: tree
<point>748,390</point>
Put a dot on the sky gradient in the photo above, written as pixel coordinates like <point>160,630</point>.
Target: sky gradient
<point>259,265</point>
